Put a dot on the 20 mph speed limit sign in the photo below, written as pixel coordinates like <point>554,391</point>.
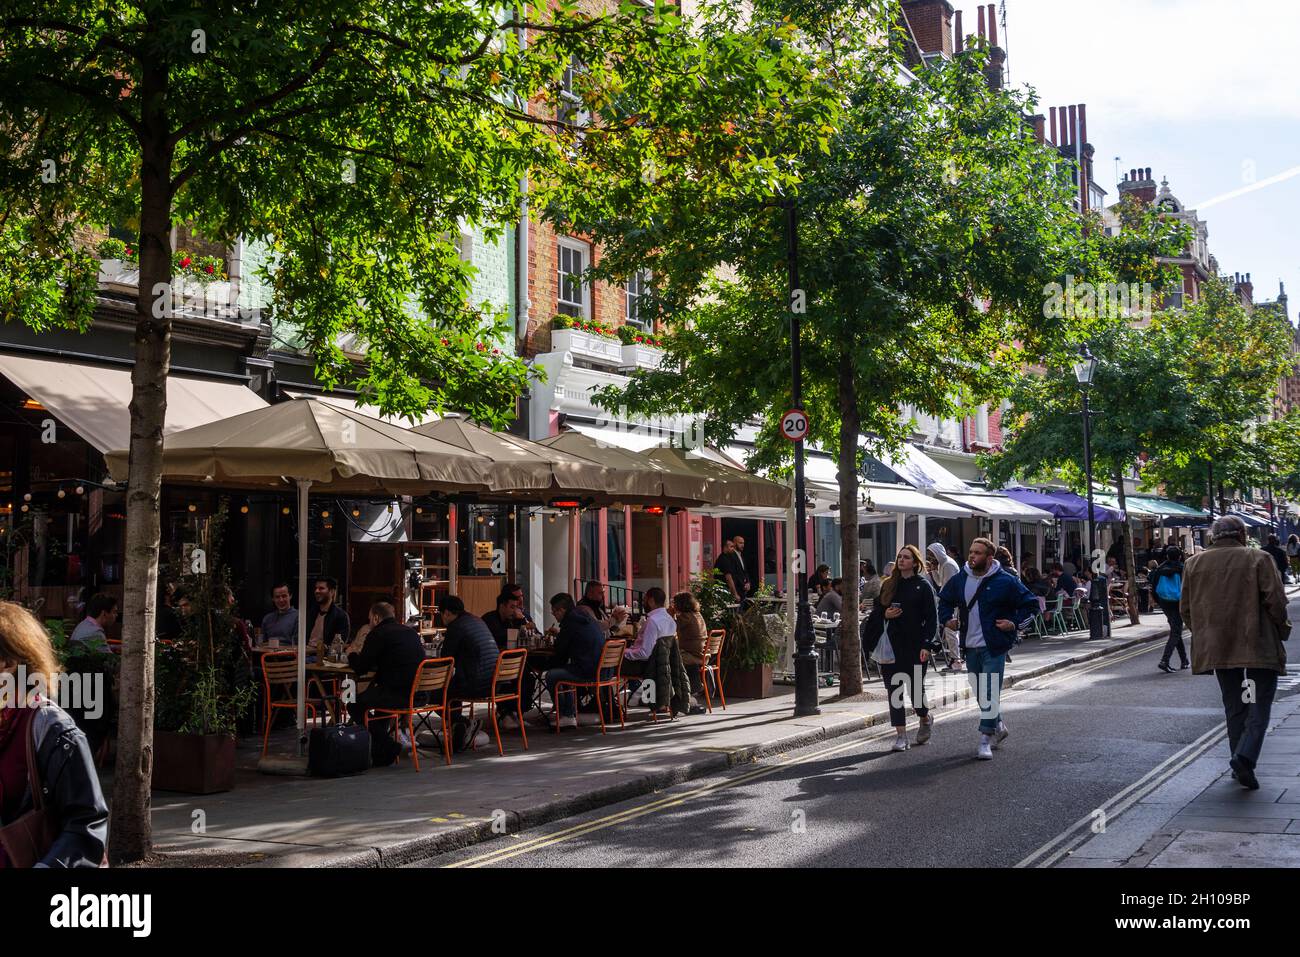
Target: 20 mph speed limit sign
<point>794,425</point>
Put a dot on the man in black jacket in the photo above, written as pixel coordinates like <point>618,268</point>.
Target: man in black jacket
<point>470,642</point>
<point>577,654</point>
<point>326,620</point>
<point>393,651</point>
<point>1171,570</point>
<point>509,614</point>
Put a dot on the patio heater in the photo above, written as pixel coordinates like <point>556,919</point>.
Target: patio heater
<point>1098,612</point>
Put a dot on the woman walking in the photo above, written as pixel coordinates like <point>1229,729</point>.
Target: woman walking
<point>1166,583</point>
<point>902,632</point>
<point>45,763</point>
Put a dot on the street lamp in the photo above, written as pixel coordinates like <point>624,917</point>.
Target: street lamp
<point>805,654</point>
<point>1084,370</point>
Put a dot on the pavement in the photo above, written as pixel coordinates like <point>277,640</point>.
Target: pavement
<point>396,816</point>
<point>1198,816</point>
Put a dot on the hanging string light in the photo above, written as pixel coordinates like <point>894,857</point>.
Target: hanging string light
<point>285,510</point>
<point>80,490</point>
<point>325,513</point>
<point>356,513</point>
<point>61,492</point>
<point>193,507</point>
<point>243,509</point>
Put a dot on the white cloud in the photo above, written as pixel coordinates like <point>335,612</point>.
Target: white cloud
<point>1139,61</point>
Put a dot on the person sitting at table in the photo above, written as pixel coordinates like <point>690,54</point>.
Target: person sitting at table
<point>692,638</point>
<point>831,602</point>
<point>282,621</point>
<point>638,661</point>
<point>325,620</point>
<point>593,599</point>
<point>578,647</point>
<point>470,642</point>
<point>499,621</point>
<point>393,651</point>
<point>1064,580</point>
<point>167,624</point>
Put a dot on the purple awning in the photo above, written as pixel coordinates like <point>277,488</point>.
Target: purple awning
<point>1064,505</point>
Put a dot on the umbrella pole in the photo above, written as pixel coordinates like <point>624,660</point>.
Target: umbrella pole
<point>303,486</point>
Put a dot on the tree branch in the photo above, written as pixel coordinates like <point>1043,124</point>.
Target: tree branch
<point>94,99</point>
<point>62,26</point>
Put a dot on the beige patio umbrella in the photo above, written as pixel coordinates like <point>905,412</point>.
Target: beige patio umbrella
<point>519,465</point>
<point>633,474</point>
<point>727,485</point>
<point>306,442</point>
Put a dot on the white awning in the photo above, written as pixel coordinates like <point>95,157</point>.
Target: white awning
<point>94,401</point>
<point>349,404</point>
<point>920,471</point>
<point>898,500</point>
<point>999,506</point>
<point>633,438</point>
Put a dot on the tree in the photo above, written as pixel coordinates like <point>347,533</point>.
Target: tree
<point>353,136</point>
<point>1177,392</point>
<point>931,222</point>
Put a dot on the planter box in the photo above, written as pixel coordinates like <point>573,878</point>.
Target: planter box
<point>748,682</point>
<point>641,357</point>
<point>584,345</point>
<point>193,763</point>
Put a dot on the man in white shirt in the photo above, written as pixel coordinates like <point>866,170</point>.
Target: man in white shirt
<point>638,660</point>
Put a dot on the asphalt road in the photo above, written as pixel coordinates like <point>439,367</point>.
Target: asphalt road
<point>1078,738</point>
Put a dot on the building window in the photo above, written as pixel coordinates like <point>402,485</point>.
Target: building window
<point>982,425</point>
<point>569,110</point>
<point>636,289</point>
<point>574,295</point>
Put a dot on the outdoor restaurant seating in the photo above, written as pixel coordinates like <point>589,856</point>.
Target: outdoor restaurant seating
<point>432,678</point>
<point>611,659</point>
<point>280,669</point>
<point>711,666</point>
<point>509,671</point>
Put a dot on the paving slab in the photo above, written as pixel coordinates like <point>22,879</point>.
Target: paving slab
<point>1193,847</point>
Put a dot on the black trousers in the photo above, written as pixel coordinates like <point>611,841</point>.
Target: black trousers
<point>1247,701</point>
<point>909,678</point>
<point>1175,642</point>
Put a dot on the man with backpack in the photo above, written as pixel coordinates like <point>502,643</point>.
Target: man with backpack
<point>986,605</point>
<point>1166,583</point>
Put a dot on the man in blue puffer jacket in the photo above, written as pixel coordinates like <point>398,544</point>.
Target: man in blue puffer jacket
<point>986,606</point>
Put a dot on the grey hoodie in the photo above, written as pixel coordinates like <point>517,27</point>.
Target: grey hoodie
<point>975,628</point>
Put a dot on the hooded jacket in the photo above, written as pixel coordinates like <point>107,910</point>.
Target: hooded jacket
<point>947,567</point>
<point>1005,596</point>
<point>914,630</point>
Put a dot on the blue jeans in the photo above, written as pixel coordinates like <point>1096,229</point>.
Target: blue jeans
<point>569,705</point>
<point>985,672</point>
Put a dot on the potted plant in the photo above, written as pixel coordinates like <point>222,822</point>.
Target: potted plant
<point>203,684</point>
<point>749,651</point>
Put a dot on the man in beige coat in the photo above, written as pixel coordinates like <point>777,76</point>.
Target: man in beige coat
<point>1234,604</point>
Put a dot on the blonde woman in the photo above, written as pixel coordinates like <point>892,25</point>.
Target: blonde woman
<point>62,769</point>
<point>906,616</point>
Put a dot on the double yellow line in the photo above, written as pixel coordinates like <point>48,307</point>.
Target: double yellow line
<point>579,830</point>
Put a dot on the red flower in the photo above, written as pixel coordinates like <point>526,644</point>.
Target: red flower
<point>480,347</point>
<point>209,269</point>
<point>496,352</point>
<point>185,262</point>
<point>445,342</point>
<point>130,251</point>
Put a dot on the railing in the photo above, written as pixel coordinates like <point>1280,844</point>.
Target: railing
<point>614,594</point>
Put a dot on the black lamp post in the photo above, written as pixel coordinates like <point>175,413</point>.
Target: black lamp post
<point>805,654</point>
<point>1098,616</point>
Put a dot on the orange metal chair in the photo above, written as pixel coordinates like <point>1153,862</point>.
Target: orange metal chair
<point>712,665</point>
<point>281,669</point>
<point>432,677</point>
<point>611,657</point>
<point>509,671</point>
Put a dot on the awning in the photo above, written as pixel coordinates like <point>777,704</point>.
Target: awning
<point>349,404</point>
<point>1173,513</point>
<point>900,500</point>
<point>1064,505</point>
<point>727,485</point>
<point>632,438</point>
<point>920,471</point>
<point>94,401</point>
<point>1133,509</point>
<point>1000,506</point>
<point>1251,521</point>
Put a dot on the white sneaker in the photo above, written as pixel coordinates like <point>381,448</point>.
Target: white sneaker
<point>403,738</point>
<point>900,743</point>
<point>985,752</point>
<point>570,722</point>
<point>508,722</point>
<point>1000,734</point>
<point>482,739</point>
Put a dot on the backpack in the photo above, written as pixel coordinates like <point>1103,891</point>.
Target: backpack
<point>1170,587</point>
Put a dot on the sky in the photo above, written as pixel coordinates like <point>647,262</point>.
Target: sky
<point>1205,92</point>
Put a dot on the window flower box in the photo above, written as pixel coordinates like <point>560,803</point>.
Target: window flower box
<point>636,356</point>
<point>585,345</point>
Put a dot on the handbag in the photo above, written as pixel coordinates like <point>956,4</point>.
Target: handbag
<point>338,750</point>
<point>883,653</point>
<point>28,839</point>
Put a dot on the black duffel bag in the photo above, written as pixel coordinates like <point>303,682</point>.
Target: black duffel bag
<point>337,750</point>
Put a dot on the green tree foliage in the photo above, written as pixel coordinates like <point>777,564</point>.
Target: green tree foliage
<point>930,223</point>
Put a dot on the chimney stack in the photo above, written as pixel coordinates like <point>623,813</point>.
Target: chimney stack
<point>959,39</point>
<point>1083,123</point>
<point>1040,124</point>
<point>993,24</point>
<point>983,31</point>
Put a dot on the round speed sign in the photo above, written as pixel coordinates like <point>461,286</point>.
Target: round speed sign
<point>794,425</point>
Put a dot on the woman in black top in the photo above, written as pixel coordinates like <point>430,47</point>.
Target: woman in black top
<point>907,608</point>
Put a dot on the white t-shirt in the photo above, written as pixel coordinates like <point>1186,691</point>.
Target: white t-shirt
<point>974,627</point>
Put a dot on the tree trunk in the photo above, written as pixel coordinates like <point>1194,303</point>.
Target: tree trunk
<point>1129,558</point>
<point>130,832</point>
<point>850,426</point>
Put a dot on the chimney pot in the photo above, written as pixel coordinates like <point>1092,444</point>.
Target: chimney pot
<point>1148,172</point>
<point>1083,123</point>
<point>1055,137</point>
<point>1073,139</point>
<point>993,25</point>
<point>959,41</point>
<point>983,31</point>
